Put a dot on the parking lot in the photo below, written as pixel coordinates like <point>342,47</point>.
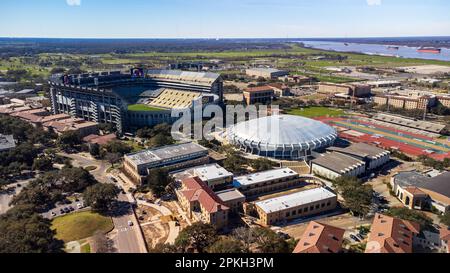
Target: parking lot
<point>70,205</point>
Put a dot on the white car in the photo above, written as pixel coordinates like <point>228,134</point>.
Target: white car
<point>79,206</point>
<point>130,223</point>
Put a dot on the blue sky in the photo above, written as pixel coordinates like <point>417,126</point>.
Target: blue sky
<point>223,18</point>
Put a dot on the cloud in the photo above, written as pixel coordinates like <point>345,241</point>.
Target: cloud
<point>373,2</point>
<point>73,2</point>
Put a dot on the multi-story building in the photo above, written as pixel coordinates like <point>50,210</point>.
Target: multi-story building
<point>295,205</point>
<point>201,203</point>
<point>353,90</point>
<point>391,235</point>
<point>444,100</point>
<point>320,238</point>
<point>178,156</point>
<point>213,175</point>
<point>268,73</point>
<point>260,94</point>
<point>334,165</point>
<point>233,199</point>
<point>105,97</point>
<point>280,90</point>
<point>268,181</point>
<point>403,102</point>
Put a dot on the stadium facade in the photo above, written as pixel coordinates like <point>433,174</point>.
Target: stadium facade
<point>282,137</point>
<point>106,97</point>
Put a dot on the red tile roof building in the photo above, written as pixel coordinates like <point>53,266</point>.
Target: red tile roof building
<point>444,234</point>
<point>201,203</point>
<point>391,235</point>
<point>259,94</point>
<point>320,238</point>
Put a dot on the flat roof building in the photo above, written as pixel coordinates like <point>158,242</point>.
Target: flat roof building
<point>268,181</point>
<point>299,204</point>
<point>232,198</point>
<point>259,94</point>
<point>175,156</point>
<point>334,165</point>
<point>268,73</point>
<point>212,175</point>
<point>320,238</point>
<point>7,142</point>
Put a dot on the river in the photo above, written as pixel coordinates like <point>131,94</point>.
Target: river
<point>375,49</point>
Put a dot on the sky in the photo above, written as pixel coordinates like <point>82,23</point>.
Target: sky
<point>223,18</point>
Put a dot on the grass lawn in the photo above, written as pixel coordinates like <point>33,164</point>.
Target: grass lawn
<point>142,108</point>
<point>80,225</point>
<point>312,112</point>
<point>90,168</point>
<point>86,248</point>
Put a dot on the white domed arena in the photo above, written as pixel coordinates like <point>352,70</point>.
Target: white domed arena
<point>282,137</point>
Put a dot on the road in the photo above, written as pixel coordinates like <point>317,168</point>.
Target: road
<point>7,196</point>
<point>128,239</point>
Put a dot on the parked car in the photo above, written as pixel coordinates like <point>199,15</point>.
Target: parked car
<point>53,213</point>
<point>360,236</point>
<point>354,238</point>
<point>62,211</point>
<point>130,223</point>
<point>79,206</point>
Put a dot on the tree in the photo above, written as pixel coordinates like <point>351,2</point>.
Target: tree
<point>57,70</point>
<point>69,139</point>
<point>358,197</point>
<point>42,164</point>
<point>197,237</point>
<point>157,181</point>
<point>101,243</point>
<point>106,127</point>
<point>445,219</point>
<point>160,140</point>
<point>117,147</point>
<point>24,231</point>
<point>113,158</point>
<point>94,150</point>
<point>267,241</point>
<point>262,164</point>
<point>412,215</point>
<point>227,245</point>
<point>100,197</point>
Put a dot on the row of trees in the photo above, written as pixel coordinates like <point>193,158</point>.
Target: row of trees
<point>236,163</point>
<point>43,192</point>
<point>203,238</point>
<point>436,164</point>
<point>358,197</point>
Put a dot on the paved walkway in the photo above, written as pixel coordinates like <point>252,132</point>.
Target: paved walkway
<point>174,230</point>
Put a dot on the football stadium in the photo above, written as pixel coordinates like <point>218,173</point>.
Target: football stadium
<point>282,137</point>
<point>133,99</point>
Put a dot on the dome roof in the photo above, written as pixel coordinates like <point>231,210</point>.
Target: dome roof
<point>282,130</point>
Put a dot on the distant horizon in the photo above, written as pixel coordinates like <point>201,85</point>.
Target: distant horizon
<point>224,38</point>
<point>223,19</point>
